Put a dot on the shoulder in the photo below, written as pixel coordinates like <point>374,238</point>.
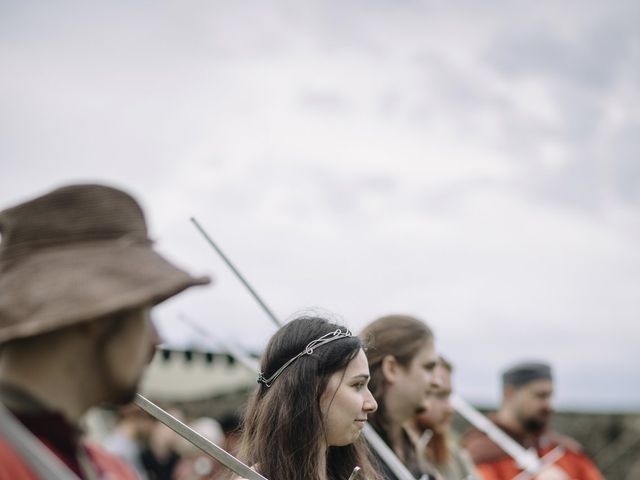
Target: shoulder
<point>558,439</point>
<point>579,465</point>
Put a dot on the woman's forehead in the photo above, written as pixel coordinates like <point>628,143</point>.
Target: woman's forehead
<point>359,365</point>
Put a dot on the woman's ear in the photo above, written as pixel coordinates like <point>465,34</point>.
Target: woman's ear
<point>390,368</point>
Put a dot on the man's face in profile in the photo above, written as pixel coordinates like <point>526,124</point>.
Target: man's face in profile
<point>532,404</point>
<point>124,353</point>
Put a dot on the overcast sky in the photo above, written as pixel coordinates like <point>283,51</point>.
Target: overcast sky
<point>476,164</point>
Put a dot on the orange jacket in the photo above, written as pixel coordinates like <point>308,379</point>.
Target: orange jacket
<point>494,464</point>
<point>575,464</point>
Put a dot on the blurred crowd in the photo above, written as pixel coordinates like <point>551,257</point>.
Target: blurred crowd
<point>156,452</point>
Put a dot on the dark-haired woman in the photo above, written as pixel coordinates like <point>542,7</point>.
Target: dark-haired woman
<point>305,418</point>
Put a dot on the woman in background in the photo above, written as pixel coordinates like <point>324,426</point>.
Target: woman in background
<point>453,462</point>
<point>402,360</point>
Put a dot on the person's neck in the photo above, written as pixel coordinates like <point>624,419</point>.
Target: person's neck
<point>59,386</point>
<point>397,415</point>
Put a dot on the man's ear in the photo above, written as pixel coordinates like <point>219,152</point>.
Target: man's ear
<point>390,368</point>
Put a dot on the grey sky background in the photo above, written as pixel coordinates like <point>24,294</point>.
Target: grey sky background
<point>472,163</point>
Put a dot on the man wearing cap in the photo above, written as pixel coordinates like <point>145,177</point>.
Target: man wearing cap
<point>78,278</point>
<point>524,415</point>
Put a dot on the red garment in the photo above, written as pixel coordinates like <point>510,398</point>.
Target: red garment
<point>494,464</point>
<point>57,436</point>
<point>13,467</point>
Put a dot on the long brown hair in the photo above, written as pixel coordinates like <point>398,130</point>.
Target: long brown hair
<point>283,430</point>
<point>402,336</point>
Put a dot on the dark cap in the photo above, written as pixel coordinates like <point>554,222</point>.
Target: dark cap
<point>525,372</point>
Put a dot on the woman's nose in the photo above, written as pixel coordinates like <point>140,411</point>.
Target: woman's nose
<point>370,404</point>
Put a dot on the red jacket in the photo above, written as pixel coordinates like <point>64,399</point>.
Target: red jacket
<point>494,464</point>
<point>56,434</point>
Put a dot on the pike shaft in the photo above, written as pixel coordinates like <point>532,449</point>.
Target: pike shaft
<point>386,454</point>
<point>526,459</point>
<point>255,295</point>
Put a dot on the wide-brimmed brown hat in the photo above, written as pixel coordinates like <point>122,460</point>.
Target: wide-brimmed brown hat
<point>75,254</point>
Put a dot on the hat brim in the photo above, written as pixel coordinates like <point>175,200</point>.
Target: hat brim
<point>60,287</point>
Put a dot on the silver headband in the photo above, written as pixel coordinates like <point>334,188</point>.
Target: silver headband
<point>308,350</point>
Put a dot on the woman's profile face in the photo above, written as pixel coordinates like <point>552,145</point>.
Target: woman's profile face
<point>438,416</point>
<point>410,388</point>
<point>346,402</point>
